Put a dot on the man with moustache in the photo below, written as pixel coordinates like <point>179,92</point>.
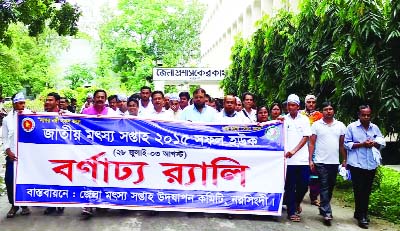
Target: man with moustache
<point>9,130</point>
<point>63,103</point>
<point>99,106</point>
<point>52,105</point>
<point>199,111</point>
<point>159,112</point>
<point>313,115</point>
<point>361,138</point>
<point>112,102</point>
<point>326,142</point>
<point>145,105</point>
<point>228,114</point>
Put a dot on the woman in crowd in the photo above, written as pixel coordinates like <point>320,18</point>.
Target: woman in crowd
<point>262,114</point>
<point>275,110</point>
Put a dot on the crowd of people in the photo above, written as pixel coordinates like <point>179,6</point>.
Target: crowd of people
<point>314,139</point>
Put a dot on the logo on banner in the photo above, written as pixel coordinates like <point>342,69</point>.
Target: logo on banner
<point>28,124</point>
<point>272,133</point>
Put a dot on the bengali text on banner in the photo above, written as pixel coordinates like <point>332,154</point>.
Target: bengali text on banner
<point>130,163</point>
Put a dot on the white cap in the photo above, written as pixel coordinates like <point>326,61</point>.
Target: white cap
<point>293,98</point>
<point>238,100</point>
<point>19,98</point>
<point>122,97</point>
<point>174,96</point>
<point>308,97</point>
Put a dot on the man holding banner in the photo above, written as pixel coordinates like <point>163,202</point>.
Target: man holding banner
<point>123,163</point>
<point>199,111</point>
<point>9,145</point>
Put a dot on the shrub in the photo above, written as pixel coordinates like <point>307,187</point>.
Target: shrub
<point>384,200</point>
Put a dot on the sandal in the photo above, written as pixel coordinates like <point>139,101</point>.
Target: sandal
<point>25,211</point>
<point>299,209</point>
<point>294,218</point>
<point>316,203</point>
<point>13,211</point>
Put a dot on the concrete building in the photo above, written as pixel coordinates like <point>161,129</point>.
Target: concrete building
<point>225,19</point>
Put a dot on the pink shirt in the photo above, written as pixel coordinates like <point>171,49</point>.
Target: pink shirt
<point>92,111</point>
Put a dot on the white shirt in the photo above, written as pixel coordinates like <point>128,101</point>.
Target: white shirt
<point>162,115</point>
<point>295,130</point>
<point>10,130</point>
<point>327,142</point>
<point>145,110</point>
<point>192,114</point>
<point>119,112</point>
<point>251,117</point>
<point>176,114</point>
<point>236,118</point>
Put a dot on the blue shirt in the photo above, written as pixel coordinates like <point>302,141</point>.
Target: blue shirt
<point>192,114</point>
<point>360,157</point>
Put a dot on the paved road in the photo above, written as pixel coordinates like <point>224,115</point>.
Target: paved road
<point>113,220</point>
<point>170,221</point>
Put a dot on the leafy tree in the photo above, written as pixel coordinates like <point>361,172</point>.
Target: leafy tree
<point>78,75</point>
<point>35,14</point>
<point>28,63</point>
<point>146,31</point>
<point>344,51</point>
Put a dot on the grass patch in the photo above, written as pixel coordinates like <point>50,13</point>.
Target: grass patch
<point>384,200</point>
<point>2,186</point>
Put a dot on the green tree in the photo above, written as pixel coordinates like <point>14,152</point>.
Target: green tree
<point>36,14</point>
<point>146,31</point>
<point>79,74</point>
<point>28,63</point>
<point>344,51</point>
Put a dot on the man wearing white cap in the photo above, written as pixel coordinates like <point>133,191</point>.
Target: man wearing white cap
<point>122,106</point>
<point>9,145</point>
<point>313,116</point>
<point>166,101</point>
<point>298,131</point>
<point>174,105</point>
<point>239,105</point>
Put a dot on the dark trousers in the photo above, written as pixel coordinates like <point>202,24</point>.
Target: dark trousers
<point>314,186</point>
<point>296,186</point>
<point>9,180</point>
<point>362,185</point>
<point>327,177</point>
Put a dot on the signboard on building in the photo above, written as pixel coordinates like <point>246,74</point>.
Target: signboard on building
<point>188,74</point>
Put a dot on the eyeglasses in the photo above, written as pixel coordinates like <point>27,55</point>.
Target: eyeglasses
<point>311,102</point>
